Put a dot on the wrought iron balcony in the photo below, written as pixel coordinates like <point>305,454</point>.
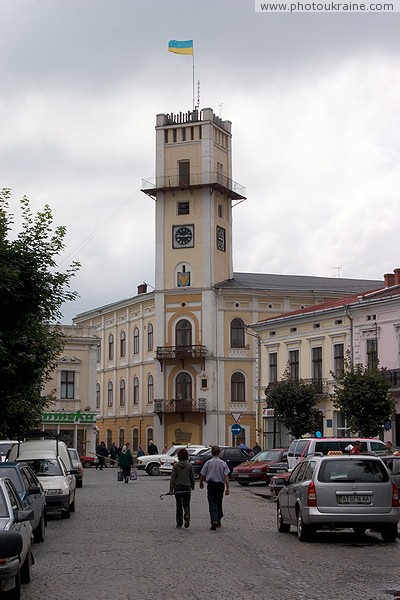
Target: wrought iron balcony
<point>393,377</point>
<point>215,180</point>
<point>180,352</point>
<point>182,407</point>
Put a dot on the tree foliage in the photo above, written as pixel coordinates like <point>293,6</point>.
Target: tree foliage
<point>294,403</point>
<point>362,395</point>
<point>31,294</point>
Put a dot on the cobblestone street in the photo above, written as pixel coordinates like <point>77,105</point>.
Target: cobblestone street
<point>122,543</point>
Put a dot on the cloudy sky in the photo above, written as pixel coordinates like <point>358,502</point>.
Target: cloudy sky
<point>313,98</point>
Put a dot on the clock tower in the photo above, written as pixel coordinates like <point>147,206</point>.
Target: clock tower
<point>194,194</point>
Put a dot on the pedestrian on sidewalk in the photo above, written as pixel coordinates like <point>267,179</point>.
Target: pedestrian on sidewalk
<point>152,448</point>
<point>215,473</point>
<point>126,462</point>
<point>181,484</point>
<point>102,454</point>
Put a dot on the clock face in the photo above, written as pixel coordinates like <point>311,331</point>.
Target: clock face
<point>221,238</point>
<point>183,236</point>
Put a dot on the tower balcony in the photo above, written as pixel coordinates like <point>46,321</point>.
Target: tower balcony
<point>214,180</point>
<point>182,407</point>
<point>182,353</point>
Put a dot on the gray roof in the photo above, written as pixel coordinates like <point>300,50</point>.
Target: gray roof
<point>297,283</point>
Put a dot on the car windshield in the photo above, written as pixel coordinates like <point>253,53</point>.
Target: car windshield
<point>45,466</point>
<point>267,455</point>
<point>362,471</point>
<point>3,506</point>
<point>13,475</point>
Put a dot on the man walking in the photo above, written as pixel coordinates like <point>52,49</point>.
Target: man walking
<point>216,474</point>
<point>102,453</point>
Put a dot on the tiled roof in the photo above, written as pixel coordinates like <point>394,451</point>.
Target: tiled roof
<point>296,283</point>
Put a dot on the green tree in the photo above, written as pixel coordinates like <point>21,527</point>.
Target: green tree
<point>362,395</point>
<point>31,294</point>
<point>294,404</point>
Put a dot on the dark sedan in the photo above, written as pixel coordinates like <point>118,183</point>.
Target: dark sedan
<point>31,493</point>
<point>232,455</point>
<point>261,467</point>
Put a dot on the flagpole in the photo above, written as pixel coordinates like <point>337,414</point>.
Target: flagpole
<point>193,78</point>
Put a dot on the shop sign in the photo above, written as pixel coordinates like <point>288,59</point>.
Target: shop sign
<point>69,417</point>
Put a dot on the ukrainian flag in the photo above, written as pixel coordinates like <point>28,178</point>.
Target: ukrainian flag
<point>180,47</point>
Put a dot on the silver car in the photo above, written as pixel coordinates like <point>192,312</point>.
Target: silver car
<point>338,492</point>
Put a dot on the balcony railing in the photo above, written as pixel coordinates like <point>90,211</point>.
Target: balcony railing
<point>393,377</point>
<point>180,406</point>
<point>180,352</point>
<point>216,180</point>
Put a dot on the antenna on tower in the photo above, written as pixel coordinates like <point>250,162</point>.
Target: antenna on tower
<point>198,94</point>
<point>220,108</point>
<point>338,271</point>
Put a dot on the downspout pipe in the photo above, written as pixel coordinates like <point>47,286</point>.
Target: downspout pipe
<point>350,318</point>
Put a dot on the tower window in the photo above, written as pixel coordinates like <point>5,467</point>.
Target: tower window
<point>192,133</point>
<point>183,134</point>
<point>165,136</point>
<point>184,172</point>
<point>220,212</point>
<point>237,333</point>
<point>174,135</point>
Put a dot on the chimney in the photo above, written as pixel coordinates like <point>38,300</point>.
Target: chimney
<point>389,279</point>
<point>142,288</point>
<point>396,276</point>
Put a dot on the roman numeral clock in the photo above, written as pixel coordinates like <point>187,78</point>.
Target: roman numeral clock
<point>183,236</point>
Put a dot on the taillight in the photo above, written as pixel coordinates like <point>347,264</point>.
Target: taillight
<point>311,495</point>
<point>395,496</point>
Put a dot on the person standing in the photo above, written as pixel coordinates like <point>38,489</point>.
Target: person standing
<point>181,484</point>
<point>126,462</point>
<point>215,473</point>
<point>152,448</point>
<point>113,454</point>
<point>140,452</point>
<point>102,453</point>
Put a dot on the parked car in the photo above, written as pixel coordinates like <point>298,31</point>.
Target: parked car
<point>151,462</point>
<point>5,447</point>
<point>338,492</point>
<point>87,461</point>
<point>302,447</point>
<point>278,482</point>
<point>58,482</point>
<point>16,568</point>
<point>166,464</point>
<point>258,467</point>
<point>77,465</point>
<point>232,455</point>
<point>393,465</point>
<point>31,494</point>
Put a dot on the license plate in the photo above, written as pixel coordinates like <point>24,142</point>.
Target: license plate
<point>243,476</point>
<point>167,464</point>
<point>354,499</point>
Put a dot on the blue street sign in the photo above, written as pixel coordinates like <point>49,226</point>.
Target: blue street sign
<point>236,429</point>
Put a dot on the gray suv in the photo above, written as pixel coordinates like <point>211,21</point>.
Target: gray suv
<point>338,492</point>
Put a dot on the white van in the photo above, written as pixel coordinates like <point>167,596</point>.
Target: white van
<point>302,447</point>
<point>22,450</point>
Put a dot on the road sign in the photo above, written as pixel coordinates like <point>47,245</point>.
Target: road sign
<point>236,429</point>
<point>236,416</point>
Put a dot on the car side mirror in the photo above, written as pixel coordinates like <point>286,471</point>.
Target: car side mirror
<point>23,515</point>
<point>281,481</point>
<point>73,472</point>
<point>33,489</point>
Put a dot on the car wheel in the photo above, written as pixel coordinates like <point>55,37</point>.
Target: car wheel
<point>40,531</point>
<point>72,505</point>
<point>66,514</point>
<point>282,527</point>
<point>87,464</point>
<point>389,533</point>
<point>153,469</point>
<point>243,482</point>
<point>303,531</point>
<point>15,593</point>
<point>359,530</point>
<point>26,568</point>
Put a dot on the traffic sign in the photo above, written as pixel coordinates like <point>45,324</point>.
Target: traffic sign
<point>236,416</point>
<point>236,429</point>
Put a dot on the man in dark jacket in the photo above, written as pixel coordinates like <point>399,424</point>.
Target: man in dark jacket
<point>152,448</point>
<point>102,453</point>
<point>181,484</point>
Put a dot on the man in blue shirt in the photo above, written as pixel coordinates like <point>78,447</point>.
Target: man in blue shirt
<point>216,474</point>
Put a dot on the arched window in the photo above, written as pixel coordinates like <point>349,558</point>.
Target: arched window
<point>183,333</point>
<point>108,438</point>
<point>136,341</point>
<point>150,340</point>
<point>97,395</point>
<point>183,387</point>
<point>122,392</point>
<point>110,394</point>
<point>136,391</point>
<point>121,436</point>
<point>110,347</point>
<point>149,436</point>
<point>238,387</point>
<point>122,344</point>
<point>135,439</point>
<point>150,389</point>
<point>237,333</point>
